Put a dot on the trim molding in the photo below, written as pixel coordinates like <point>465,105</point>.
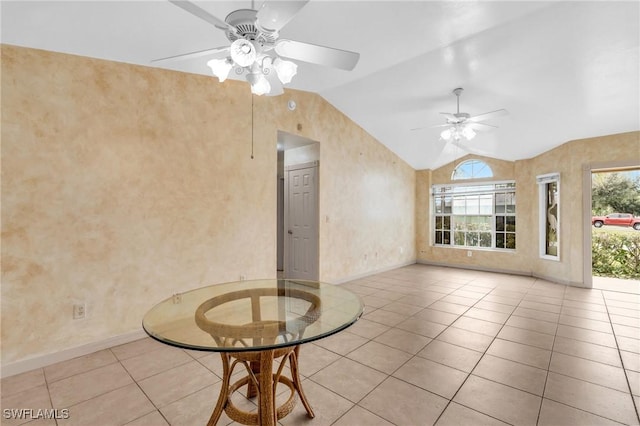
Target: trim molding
<point>377,271</point>
<point>554,280</point>
<point>40,361</point>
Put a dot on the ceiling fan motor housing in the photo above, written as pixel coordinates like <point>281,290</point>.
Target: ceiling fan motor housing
<point>244,22</point>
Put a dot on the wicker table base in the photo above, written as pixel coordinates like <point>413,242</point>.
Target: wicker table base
<point>259,382</point>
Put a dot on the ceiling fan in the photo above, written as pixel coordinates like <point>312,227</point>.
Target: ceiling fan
<point>461,125</point>
<point>257,49</point>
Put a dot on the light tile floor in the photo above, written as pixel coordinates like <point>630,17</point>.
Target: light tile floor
<point>436,346</point>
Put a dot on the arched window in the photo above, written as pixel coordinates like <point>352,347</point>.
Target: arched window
<point>472,169</point>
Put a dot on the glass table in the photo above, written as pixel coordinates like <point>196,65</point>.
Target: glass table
<point>253,323</point>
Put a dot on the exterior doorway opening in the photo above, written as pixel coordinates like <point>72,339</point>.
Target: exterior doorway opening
<point>612,241</point>
<point>298,212</point>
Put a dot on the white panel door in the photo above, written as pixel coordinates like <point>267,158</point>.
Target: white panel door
<point>301,249</point>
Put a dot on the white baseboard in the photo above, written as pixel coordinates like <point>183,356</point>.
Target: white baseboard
<point>555,280</point>
<point>40,361</point>
<point>377,271</point>
<point>561,281</point>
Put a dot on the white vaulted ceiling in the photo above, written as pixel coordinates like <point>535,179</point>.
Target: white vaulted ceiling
<point>563,70</point>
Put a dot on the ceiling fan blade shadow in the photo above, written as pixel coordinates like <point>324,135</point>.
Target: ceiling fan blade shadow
<point>471,150</point>
<point>277,88</point>
<point>273,15</point>
<point>488,115</point>
<point>430,127</point>
<point>316,54</point>
<point>202,14</point>
<point>192,55</point>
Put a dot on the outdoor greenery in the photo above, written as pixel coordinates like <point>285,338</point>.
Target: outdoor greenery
<point>616,252</point>
<point>615,193</point>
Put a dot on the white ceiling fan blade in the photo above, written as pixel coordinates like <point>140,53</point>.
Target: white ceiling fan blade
<point>489,115</point>
<point>192,55</point>
<point>481,126</point>
<point>273,15</point>
<point>202,14</point>
<point>316,54</point>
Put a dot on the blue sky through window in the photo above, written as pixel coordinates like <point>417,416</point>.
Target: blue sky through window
<point>472,169</point>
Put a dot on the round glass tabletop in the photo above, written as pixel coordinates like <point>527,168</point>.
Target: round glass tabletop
<point>253,315</point>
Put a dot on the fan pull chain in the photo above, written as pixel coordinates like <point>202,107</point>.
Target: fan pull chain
<point>252,126</point>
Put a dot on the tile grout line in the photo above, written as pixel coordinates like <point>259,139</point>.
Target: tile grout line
<point>479,359</point>
<point>546,378</point>
<point>389,375</point>
<point>624,370</point>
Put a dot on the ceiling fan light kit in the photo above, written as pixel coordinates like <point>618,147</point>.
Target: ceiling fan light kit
<point>461,125</point>
<point>257,50</point>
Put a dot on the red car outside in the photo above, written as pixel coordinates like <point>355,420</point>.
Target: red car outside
<point>617,219</point>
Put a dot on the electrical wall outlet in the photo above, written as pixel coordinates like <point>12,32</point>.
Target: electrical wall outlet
<point>79,310</point>
<point>469,253</point>
<point>177,298</point>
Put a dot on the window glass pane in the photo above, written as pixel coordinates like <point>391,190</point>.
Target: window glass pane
<point>438,237</point>
<point>447,222</point>
<point>486,205</point>
<point>446,237</point>
<point>511,202</point>
<point>484,223</point>
<point>459,205</point>
<point>511,241</point>
<point>473,205</point>
<point>499,223</point>
<point>485,239</point>
<point>438,204</point>
<point>438,222</point>
<point>458,238</point>
<point>472,169</point>
<point>511,223</point>
<point>447,204</point>
<point>500,240</point>
<point>472,239</point>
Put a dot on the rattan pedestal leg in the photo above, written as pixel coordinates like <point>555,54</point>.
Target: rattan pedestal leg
<point>224,391</point>
<point>295,375</point>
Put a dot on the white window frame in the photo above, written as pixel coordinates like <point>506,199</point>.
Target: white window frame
<point>435,191</point>
<point>543,205</point>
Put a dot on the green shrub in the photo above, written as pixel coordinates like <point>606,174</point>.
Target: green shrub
<point>616,255</point>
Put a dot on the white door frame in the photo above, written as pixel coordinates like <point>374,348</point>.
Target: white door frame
<point>587,171</point>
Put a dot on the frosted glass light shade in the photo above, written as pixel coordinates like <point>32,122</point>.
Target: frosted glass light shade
<point>220,68</point>
<point>243,52</point>
<point>286,70</point>
<point>468,133</point>
<point>446,134</point>
<point>259,84</point>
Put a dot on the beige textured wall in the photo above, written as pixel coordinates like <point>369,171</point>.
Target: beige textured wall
<point>569,160</point>
<point>124,184</point>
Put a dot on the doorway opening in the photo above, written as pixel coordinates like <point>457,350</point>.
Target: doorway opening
<point>612,240</point>
<point>298,213</point>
